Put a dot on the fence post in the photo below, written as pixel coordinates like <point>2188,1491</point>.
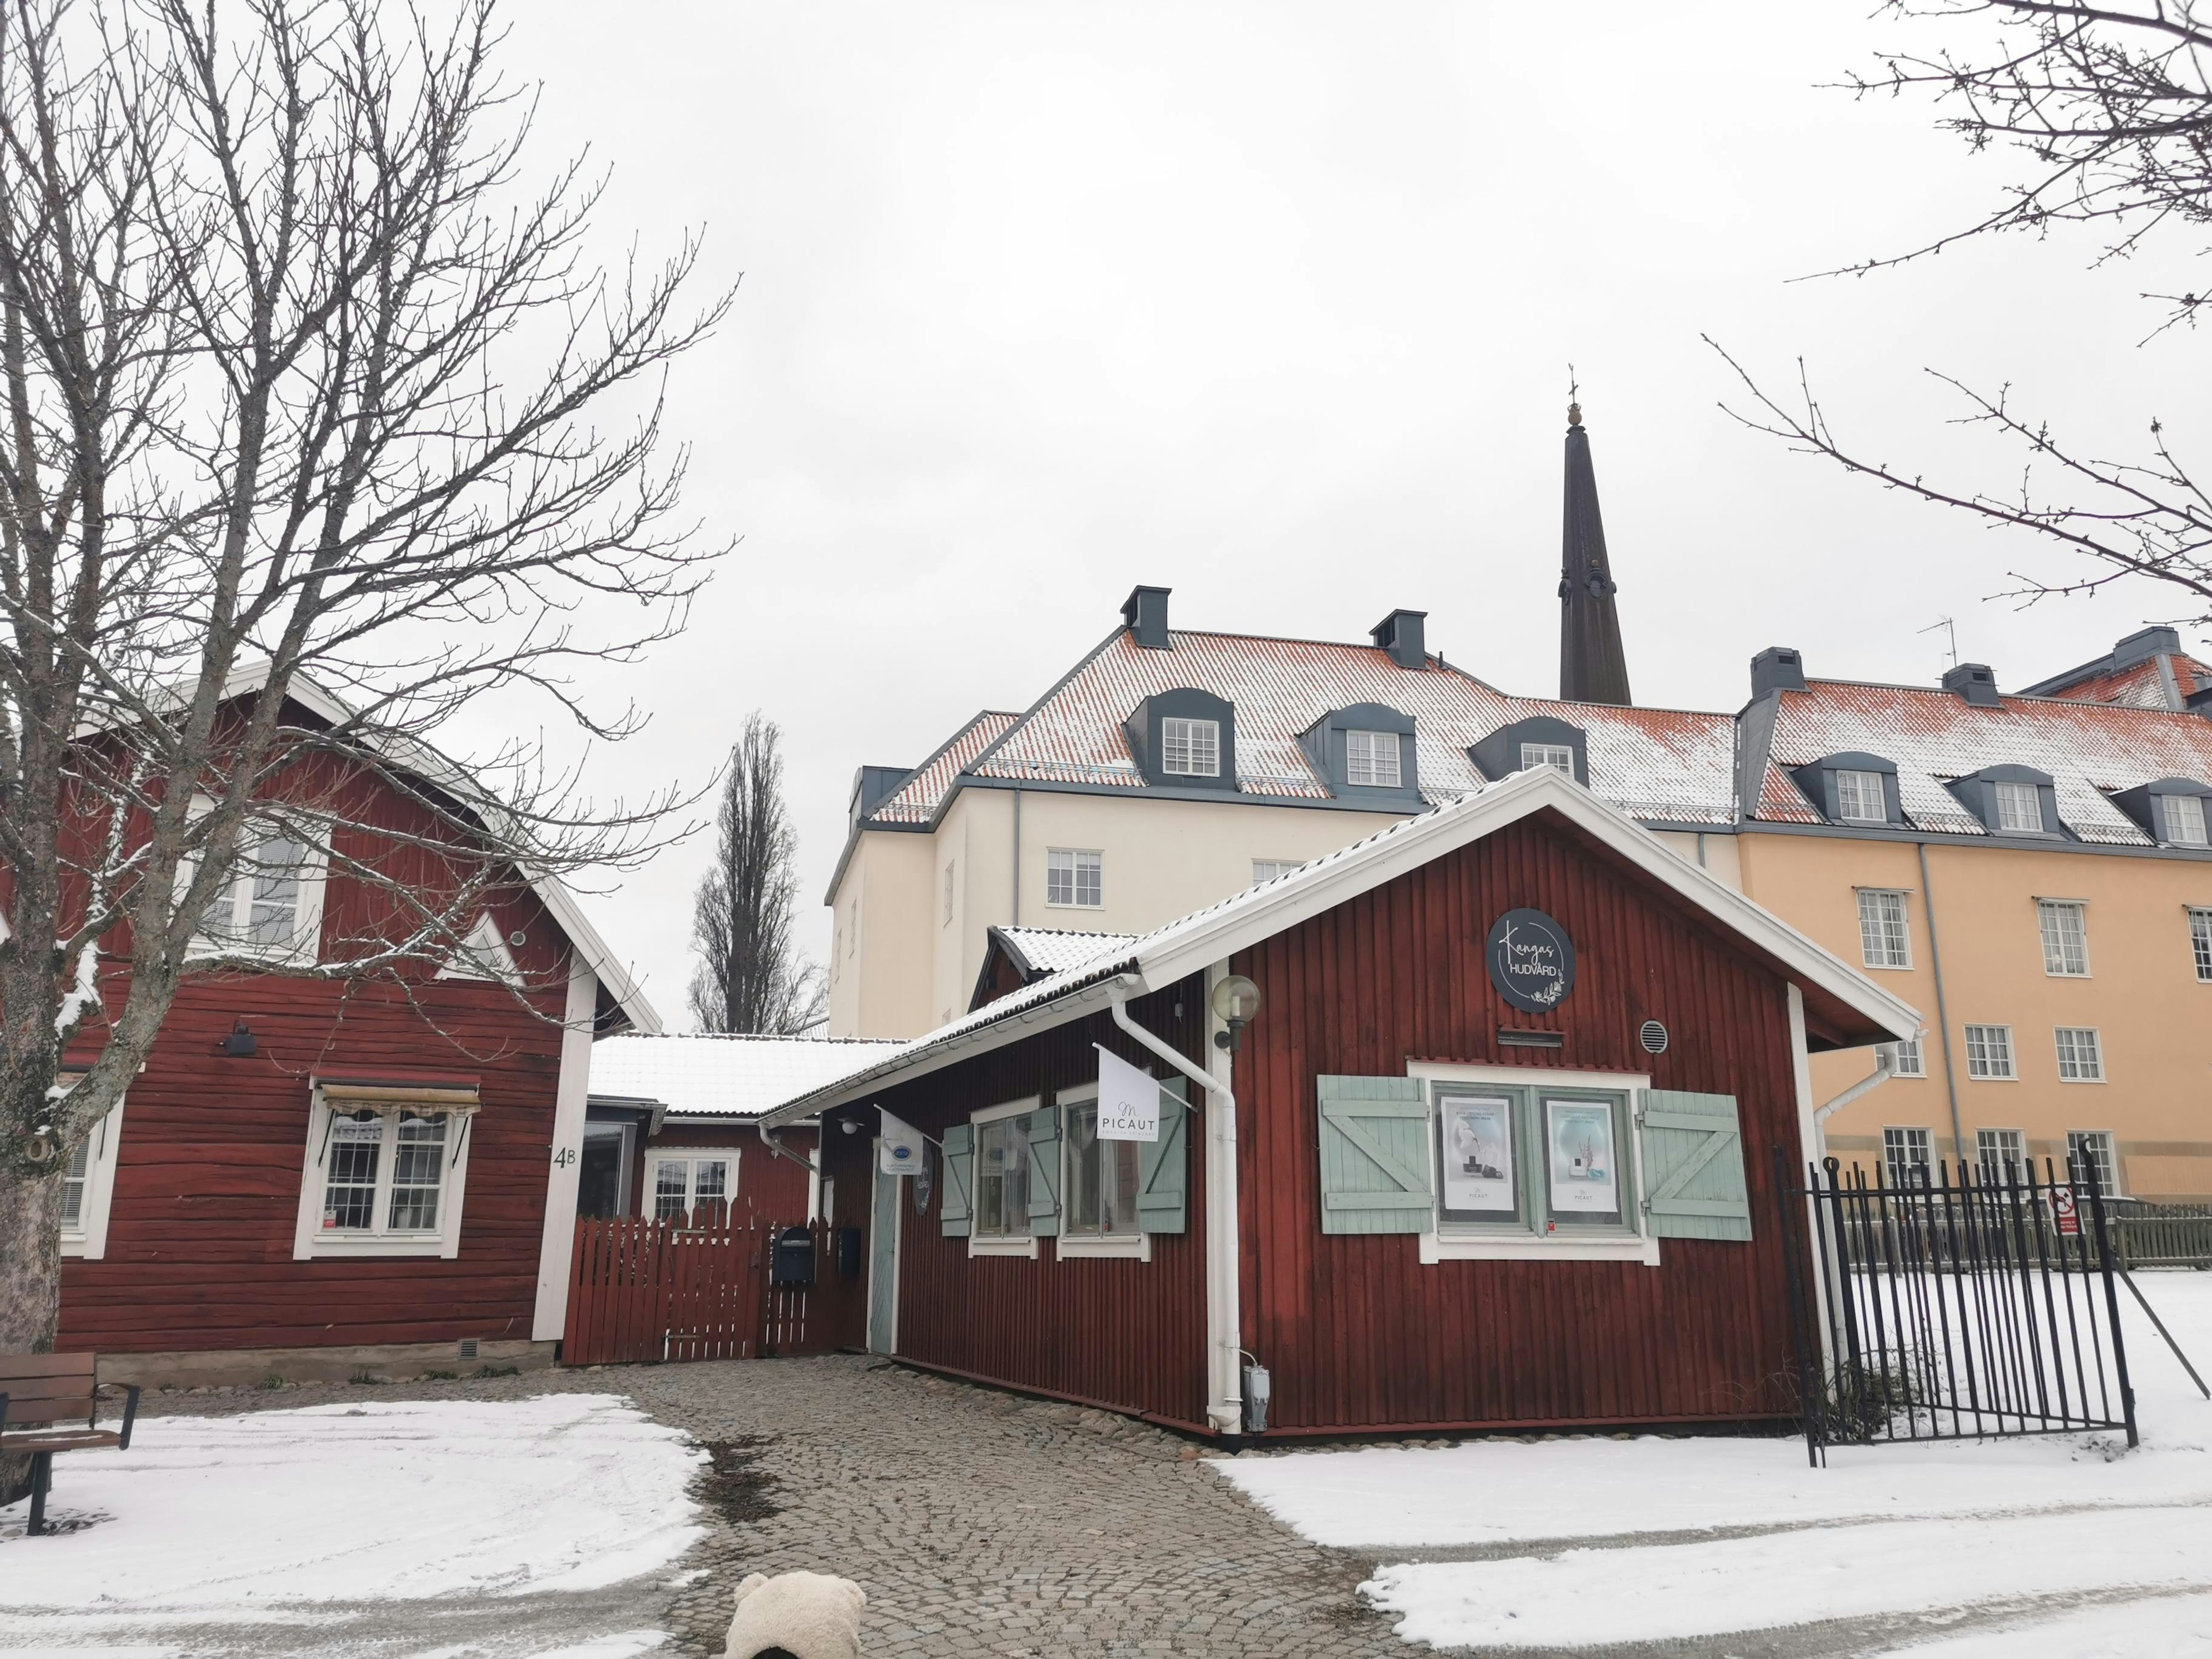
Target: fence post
<point>2113,1309</point>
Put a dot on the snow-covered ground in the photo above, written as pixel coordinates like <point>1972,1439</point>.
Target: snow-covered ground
<point>227,1520</point>
<point>2025,1531</point>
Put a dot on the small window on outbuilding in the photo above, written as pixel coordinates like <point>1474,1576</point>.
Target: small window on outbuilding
<point>1540,740</point>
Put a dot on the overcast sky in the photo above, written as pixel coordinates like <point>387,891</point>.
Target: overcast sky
<point>1273,304</point>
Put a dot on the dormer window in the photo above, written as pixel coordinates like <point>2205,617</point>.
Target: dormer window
<point>1853,788</point>
<point>1540,740</point>
<point>1859,798</point>
<point>2020,809</point>
<point>2172,811</point>
<point>2185,820</point>
<point>1370,760</point>
<point>1190,749</point>
<point>2012,801</point>
<point>1559,756</point>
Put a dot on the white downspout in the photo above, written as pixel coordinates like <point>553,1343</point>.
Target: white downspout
<point>1225,1340</point>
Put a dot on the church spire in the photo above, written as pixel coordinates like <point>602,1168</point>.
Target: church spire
<point>1592,668</point>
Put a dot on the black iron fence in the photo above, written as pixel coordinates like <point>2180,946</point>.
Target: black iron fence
<point>1971,1306</point>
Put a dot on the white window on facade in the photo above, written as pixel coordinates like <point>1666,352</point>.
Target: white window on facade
<point>2081,1057</point>
<point>2001,1155</point>
<point>1908,1157</point>
<point>1190,749</point>
<point>1074,877</point>
<point>2065,937</point>
<point>1859,798</point>
<point>1905,1058</point>
<point>1558,756</point>
<point>88,1185</point>
<point>1101,1180</point>
<point>2200,942</point>
<point>2185,820</point>
<point>272,905</point>
<point>1268,869</point>
<point>1989,1053</point>
<point>1001,1204</point>
<point>1884,939</point>
<point>2089,1159</point>
<point>2020,809</point>
<point>683,1184</point>
<point>1371,759</point>
<point>387,1178</point>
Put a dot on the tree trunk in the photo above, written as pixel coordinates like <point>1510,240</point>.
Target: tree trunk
<point>30,1278</point>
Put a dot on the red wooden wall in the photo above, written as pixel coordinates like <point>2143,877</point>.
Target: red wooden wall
<point>1128,1333</point>
<point>771,1188</point>
<point>1358,1333</point>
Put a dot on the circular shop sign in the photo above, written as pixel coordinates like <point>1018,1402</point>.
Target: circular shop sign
<point>1531,959</point>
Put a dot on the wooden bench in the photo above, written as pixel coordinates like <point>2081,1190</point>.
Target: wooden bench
<point>40,1396</point>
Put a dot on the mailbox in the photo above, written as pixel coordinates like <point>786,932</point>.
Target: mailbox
<point>793,1261</point>
<point>848,1252</point>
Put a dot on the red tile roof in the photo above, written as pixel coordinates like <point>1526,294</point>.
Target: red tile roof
<point>916,800</point>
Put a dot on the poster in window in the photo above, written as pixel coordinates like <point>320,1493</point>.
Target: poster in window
<point>1584,1179</point>
<point>1478,1155</point>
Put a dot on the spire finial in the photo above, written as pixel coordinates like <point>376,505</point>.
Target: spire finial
<point>1574,398</point>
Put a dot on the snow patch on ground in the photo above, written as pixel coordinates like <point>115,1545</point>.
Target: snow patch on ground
<point>217,1518</point>
<point>1882,1530</point>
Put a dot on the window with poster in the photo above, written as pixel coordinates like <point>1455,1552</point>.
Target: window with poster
<point>1535,1163</point>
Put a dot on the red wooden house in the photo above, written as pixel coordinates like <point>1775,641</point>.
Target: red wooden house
<point>317,1173</point>
<point>1496,1151</point>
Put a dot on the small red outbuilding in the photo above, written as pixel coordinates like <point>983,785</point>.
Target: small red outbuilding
<point>1496,1151</point>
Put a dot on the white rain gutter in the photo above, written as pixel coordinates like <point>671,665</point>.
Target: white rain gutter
<point>1881,1074</point>
<point>1225,1339</point>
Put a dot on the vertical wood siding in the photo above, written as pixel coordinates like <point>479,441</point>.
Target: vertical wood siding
<point>1130,1335</point>
<point>1358,1333</point>
<point>770,1187</point>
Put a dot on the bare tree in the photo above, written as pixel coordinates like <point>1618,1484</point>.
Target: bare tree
<point>320,426</point>
<point>750,976</point>
<point>2111,105</point>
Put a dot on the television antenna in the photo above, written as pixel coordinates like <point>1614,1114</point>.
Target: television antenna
<point>1951,630</point>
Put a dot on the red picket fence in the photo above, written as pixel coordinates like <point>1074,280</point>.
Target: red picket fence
<point>696,1287</point>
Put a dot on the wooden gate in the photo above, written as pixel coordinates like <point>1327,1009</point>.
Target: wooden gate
<point>696,1287</point>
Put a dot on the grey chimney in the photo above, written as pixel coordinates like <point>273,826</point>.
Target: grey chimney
<point>1777,668</point>
<point>1146,612</point>
<point>1975,682</point>
<point>1402,634</point>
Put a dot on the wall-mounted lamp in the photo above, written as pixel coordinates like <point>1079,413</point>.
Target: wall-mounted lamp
<point>1236,1001</point>
<point>240,1044</point>
<point>851,1126</point>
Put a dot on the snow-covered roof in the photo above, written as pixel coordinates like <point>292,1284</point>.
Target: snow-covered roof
<point>1186,945</point>
<point>2090,750</point>
<point>1657,765</point>
<point>724,1076</point>
<point>1054,950</point>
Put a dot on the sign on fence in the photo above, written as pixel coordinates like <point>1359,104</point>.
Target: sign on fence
<point>2065,1213</point>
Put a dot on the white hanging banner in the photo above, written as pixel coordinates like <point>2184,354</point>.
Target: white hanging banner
<point>1128,1100</point>
<point>899,1152</point>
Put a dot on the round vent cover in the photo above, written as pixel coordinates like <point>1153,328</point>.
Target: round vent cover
<point>1654,1036</point>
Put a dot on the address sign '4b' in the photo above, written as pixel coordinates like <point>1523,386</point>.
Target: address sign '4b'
<point>1531,960</point>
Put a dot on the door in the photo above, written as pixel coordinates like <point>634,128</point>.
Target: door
<point>883,1259</point>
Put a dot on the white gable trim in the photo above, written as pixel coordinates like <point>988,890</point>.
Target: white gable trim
<point>483,956</point>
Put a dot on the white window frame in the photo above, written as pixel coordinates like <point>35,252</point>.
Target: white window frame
<point>1876,919</point>
<point>305,947</point>
<point>1190,741</point>
<point>1900,1052</point>
<point>2059,1042</point>
<point>2007,790</point>
<point>1268,869</point>
<point>979,1241</point>
<point>2010,1074</point>
<point>1990,1154</point>
<point>2109,1182</point>
<point>2050,928</point>
<point>2197,815</point>
<point>1861,780</point>
<point>1074,855</point>
<point>1379,747</point>
<point>87,1240</point>
<point>1903,1141</point>
<point>1123,1247</point>
<point>1436,1246</point>
<point>1559,756</point>
<point>648,1200</point>
<point>2200,941</point>
<point>311,1243</point>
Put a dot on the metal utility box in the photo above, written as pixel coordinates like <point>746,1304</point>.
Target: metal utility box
<point>848,1252</point>
<point>792,1262</point>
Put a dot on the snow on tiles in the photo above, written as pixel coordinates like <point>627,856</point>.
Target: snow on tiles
<point>1694,1537</point>
<point>212,1519</point>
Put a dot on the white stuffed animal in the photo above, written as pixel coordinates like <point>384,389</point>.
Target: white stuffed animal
<point>804,1615</point>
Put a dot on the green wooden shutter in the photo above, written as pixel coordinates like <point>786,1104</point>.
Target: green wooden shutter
<point>1693,1166</point>
<point>959,1181</point>
<point>1043,1125</point>
<point>1163,1166</point>
<point>1374,1162</point>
